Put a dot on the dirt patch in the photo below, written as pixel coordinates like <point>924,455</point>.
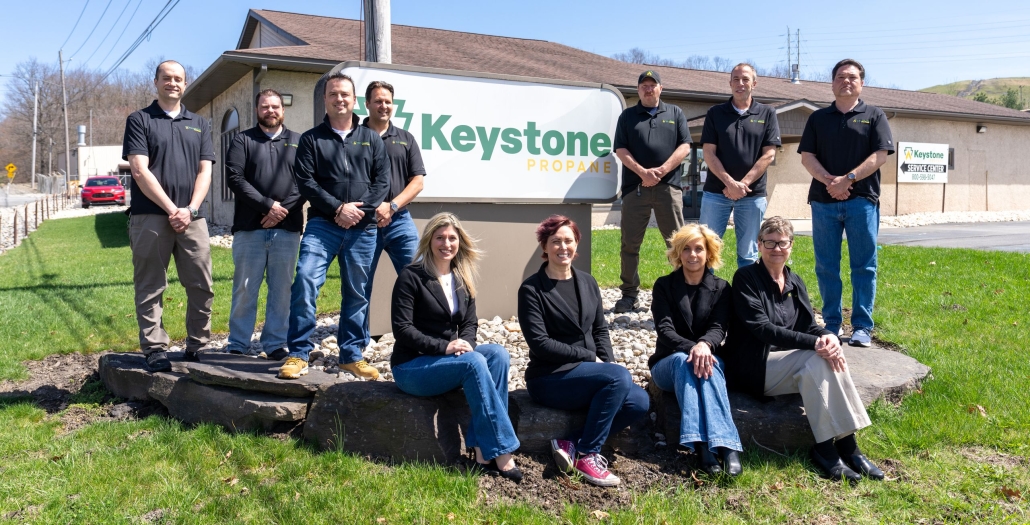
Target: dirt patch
<point>54,380</point>
<point>993,457</point>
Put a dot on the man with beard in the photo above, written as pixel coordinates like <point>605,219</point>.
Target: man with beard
<point>266,226</point>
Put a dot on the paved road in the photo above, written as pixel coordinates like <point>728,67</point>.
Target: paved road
<point>998,236</point>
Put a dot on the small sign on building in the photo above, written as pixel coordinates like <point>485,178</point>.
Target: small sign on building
<point>922,162</point>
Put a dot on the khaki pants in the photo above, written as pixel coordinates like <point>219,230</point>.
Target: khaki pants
<point>667,203</point>
<point>831,401</point>
<point>153,243</point>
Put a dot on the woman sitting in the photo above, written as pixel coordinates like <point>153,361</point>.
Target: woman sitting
<point>434,321</point>
<point>775,347</point>
<point>570,354</point>
<point>691,310</point>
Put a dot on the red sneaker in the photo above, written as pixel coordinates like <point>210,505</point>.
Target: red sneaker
<point>594,469</point>
<point>564,452</point>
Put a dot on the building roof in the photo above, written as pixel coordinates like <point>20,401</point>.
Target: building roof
<point>319,43</point>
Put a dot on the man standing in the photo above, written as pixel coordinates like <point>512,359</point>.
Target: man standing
<point>170,154</point>
<point>740,138</point>
<point>397,232</point>
<point>651,140</point>
<point>266,226</point>
<point>843,147</point>
<point>343,171</point>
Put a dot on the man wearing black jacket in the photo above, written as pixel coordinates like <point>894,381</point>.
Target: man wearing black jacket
<point>342,169</point>
<point>266,226</point>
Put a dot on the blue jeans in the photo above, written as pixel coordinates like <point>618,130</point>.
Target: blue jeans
<point>704,406</point>
<point>483,374</point>
<point>748,213</point>
<point>860,219</point>
<point>322,242</point>
<point>606,390</point>
<point>254,253</point>
<point>400,240</point>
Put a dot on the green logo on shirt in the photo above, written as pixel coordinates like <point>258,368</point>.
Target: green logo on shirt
<point>192,129</point>
<point>857,121</point>
<point>401,142</point>
<point>758,121</point>
<point>668,121</point>
<point>290,145</point>
<point>359,143</point>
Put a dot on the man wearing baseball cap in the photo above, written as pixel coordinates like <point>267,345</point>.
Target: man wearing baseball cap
<point>651,140</point>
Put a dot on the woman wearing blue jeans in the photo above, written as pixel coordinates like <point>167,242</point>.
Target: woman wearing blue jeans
<point>691,309</point>
<point>436,350</point>
<point>570,354</point>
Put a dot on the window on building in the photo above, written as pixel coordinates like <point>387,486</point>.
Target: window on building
<point>951,158</point>
<point>230,127</point>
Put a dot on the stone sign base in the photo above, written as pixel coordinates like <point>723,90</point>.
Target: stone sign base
<point>375,418</point>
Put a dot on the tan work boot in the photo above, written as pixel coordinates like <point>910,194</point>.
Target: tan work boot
<point>361,369</point>
<point>293,368</point>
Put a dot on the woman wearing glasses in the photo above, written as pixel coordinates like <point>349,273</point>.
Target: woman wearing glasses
<point>775,347</point>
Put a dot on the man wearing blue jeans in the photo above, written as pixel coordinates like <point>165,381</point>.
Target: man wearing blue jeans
<point>740,137</point>
<point>397,232</point>
<point>343,170</point>
<point>266,226</point>
<point>843,147</point>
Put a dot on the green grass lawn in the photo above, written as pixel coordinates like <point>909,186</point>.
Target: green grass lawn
<point>950,450</point>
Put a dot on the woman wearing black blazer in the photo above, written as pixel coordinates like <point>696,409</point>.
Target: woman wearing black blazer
<point>570,354</point>
<point>775,347</point>
<point>691,310</point>
<point>434,323</point>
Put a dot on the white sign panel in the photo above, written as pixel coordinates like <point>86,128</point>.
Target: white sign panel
<point>922,162</point>
<point>499,140</point>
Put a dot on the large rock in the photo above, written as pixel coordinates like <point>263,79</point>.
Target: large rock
<point>781,424</point>
<point>258,375</point>
<point>236,410</point>
<point>536,425</point>
<point>126,375</point>
<point>377,419</point>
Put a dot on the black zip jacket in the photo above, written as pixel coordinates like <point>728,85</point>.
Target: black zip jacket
<point>260,173</point>
<point>331,170</point>
<point>679,326</point>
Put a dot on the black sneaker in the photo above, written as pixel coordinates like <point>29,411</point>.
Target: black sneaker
<point>237,351</point>
<point>278,354</point>
<point>158,362</point>
<point>625,304</point>
<point>191,355</point>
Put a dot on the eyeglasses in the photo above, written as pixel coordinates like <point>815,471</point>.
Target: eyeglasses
<point>783,245</point>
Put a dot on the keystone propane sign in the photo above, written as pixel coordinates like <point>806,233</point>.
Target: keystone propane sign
<point>504,140</point>
<point>921,162</point>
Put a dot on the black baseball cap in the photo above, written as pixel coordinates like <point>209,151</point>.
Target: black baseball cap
<point>650,73</point>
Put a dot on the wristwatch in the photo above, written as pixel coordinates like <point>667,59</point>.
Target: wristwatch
<point>394,207</point>
<point>851,176</point>
<point>193,212</point>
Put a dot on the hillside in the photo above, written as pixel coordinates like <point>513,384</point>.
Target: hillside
<point>993,87</point>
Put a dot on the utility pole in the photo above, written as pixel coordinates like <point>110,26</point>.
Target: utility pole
<point>377,31</point>
<point>35,117</point>
<point>67,140</point>
<point>790,63</point>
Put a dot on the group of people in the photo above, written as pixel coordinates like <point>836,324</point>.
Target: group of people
<point>758,335</point>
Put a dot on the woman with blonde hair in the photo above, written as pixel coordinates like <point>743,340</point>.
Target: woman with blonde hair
<point>436,349</point>
<point>691,309</point>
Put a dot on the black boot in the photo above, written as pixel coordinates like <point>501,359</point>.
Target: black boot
<point>706,460</point>
<point>834,468</point>
<point>731,461</point>
<point>847,447</point>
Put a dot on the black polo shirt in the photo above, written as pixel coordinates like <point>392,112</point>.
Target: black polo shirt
<point>405,158</point>
<point>174,148</point>
<point>260,173</point>
<point>332,170</point>
<point>842,141</point>
<point>651,139</point>
<point>738,140</point>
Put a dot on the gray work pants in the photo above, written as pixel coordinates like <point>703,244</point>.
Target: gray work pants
<point>667,203</point>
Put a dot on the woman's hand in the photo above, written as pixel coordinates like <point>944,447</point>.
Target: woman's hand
<point>458,347</point>
<point>701,356</point>
<point>828,348</point>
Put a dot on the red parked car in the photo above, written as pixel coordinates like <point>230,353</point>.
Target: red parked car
<point>103,190</point>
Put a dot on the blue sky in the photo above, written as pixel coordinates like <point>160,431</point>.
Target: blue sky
<point>908,44</point>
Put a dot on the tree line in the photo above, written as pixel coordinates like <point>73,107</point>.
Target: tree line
<point>1011,99</point>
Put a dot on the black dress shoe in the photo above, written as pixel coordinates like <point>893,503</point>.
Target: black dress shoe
<point>158,362</point>
<point>860,463</point>
<point>707,460</point>
<point>513,474</point>
<point>278,354</point>
<point>191,355</point>
<point>731,461</point>
<point>835,470</point>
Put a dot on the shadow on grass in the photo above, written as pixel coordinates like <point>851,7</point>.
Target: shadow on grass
<point>112,229</point>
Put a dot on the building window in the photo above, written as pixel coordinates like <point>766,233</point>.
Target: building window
<point>951,158</point>
<point>230,127</point>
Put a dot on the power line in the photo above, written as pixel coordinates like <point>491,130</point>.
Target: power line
<point>76,24</point>
<point>143,36</point>
<point>95,26</point>
<point>120,35</point>
<point>101,44</point>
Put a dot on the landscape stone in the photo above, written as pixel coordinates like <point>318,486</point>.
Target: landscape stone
<point>536,425</point>
<point>254,374</point>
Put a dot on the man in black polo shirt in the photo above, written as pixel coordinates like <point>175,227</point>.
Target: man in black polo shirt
<point>397,232</point>
<point>170,154</point>
<point>651,140</point>
<point>266,226</point>
<point>740,138</point>
<point>342,169</point>
<point>843,147</point>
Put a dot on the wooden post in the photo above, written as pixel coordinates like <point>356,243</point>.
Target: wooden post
<point>35,216</point>
<point>14,225</point>
<point>26,219</point>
